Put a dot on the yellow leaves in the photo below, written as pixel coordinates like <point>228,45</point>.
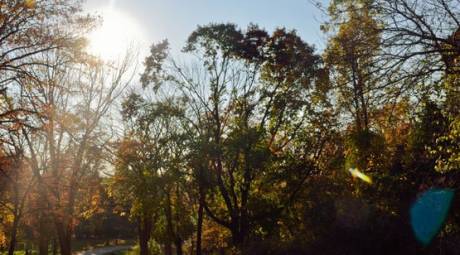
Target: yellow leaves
<point>447,149</point>
<point>29,4</point>
<point>3,240</point>
<point>9,218</point>
<point>283,184</point>
<point>357,36</point>
<point>214,235</point>
<point>90,206</point>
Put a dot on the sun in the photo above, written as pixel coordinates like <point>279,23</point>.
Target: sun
<point>117,34</point>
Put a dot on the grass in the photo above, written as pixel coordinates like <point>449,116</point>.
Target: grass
<point>124,252</point>
<point>20,252</point>
<point>81,245</point>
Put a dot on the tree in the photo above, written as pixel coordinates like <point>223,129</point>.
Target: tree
<point>151,172</point>
<point>421,45</point>
<point>66,152</point>
<point>32,33</point>
<point>131,185</point>
<point>351,56</point>
<point>29,29</point>
<point>245,105</point>
<point>17,183</point>
<point>420,39</point>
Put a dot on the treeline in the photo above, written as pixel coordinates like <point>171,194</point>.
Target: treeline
<point>54,123</point>
<point>247,145</point>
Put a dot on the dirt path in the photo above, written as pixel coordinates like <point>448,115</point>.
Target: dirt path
<point>104,250</point>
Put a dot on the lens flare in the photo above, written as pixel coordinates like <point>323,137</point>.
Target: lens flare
<point>429,213</point>
<point>357,174</point>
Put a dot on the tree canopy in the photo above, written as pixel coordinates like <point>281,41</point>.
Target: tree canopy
<point>248,141</point>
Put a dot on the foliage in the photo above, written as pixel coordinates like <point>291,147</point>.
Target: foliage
<point>243,148</point>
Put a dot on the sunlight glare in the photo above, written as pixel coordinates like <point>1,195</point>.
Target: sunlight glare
<point>117,34</point>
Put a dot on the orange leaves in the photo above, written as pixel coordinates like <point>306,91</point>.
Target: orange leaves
<point>90,206</point>
<point>29,4</point>
<point>214,236</point>
<point>3,241</point>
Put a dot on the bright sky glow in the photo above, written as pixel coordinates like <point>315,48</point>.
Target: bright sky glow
<point>117,34</point>
<point>176,19</point>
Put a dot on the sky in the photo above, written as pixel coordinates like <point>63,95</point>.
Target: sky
<point>176,19</point>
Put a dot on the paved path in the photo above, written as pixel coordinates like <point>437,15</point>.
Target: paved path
<point>105,250</point>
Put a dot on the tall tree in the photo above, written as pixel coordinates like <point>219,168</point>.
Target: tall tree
<point>420,38</point>
<point>151,172</point>
<point>351,56</point>
<point>31,28</point>
<point>246,102</point>
<point>17,183</point>
<point>72,100</point>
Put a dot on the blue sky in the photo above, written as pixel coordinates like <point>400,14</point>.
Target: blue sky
<point>176,19</point>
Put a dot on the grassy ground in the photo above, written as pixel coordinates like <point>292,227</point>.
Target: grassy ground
<point>113,253</point>
<point>81,245</point>
<point>15,253</point>
<point>126,252</point>
<point>20,252</point>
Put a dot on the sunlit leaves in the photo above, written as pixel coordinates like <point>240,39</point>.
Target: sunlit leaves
<point>351,57</point>
<point>29,4</point>
<point>447,149</point>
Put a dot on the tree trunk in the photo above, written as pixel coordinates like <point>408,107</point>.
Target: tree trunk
<point>66,247</point>
<point>143,244</point>
<point>55,252</point>
<point>178,244</point>
<point>14,230</point>
<point>169,224</point>
<point>145,230</point>
<point>65,238</point>
<point>192,245</point>
<point>42,245</point>
<point>168,248</point>
<point>43,237</point>
<point>238,236</point>
<point>199,228</point>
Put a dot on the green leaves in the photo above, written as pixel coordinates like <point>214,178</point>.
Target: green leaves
<point>447,149</point>
<point>214,39</point>
<point>154,73</point>
<point>365,151</point>
<point>131,106</point>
